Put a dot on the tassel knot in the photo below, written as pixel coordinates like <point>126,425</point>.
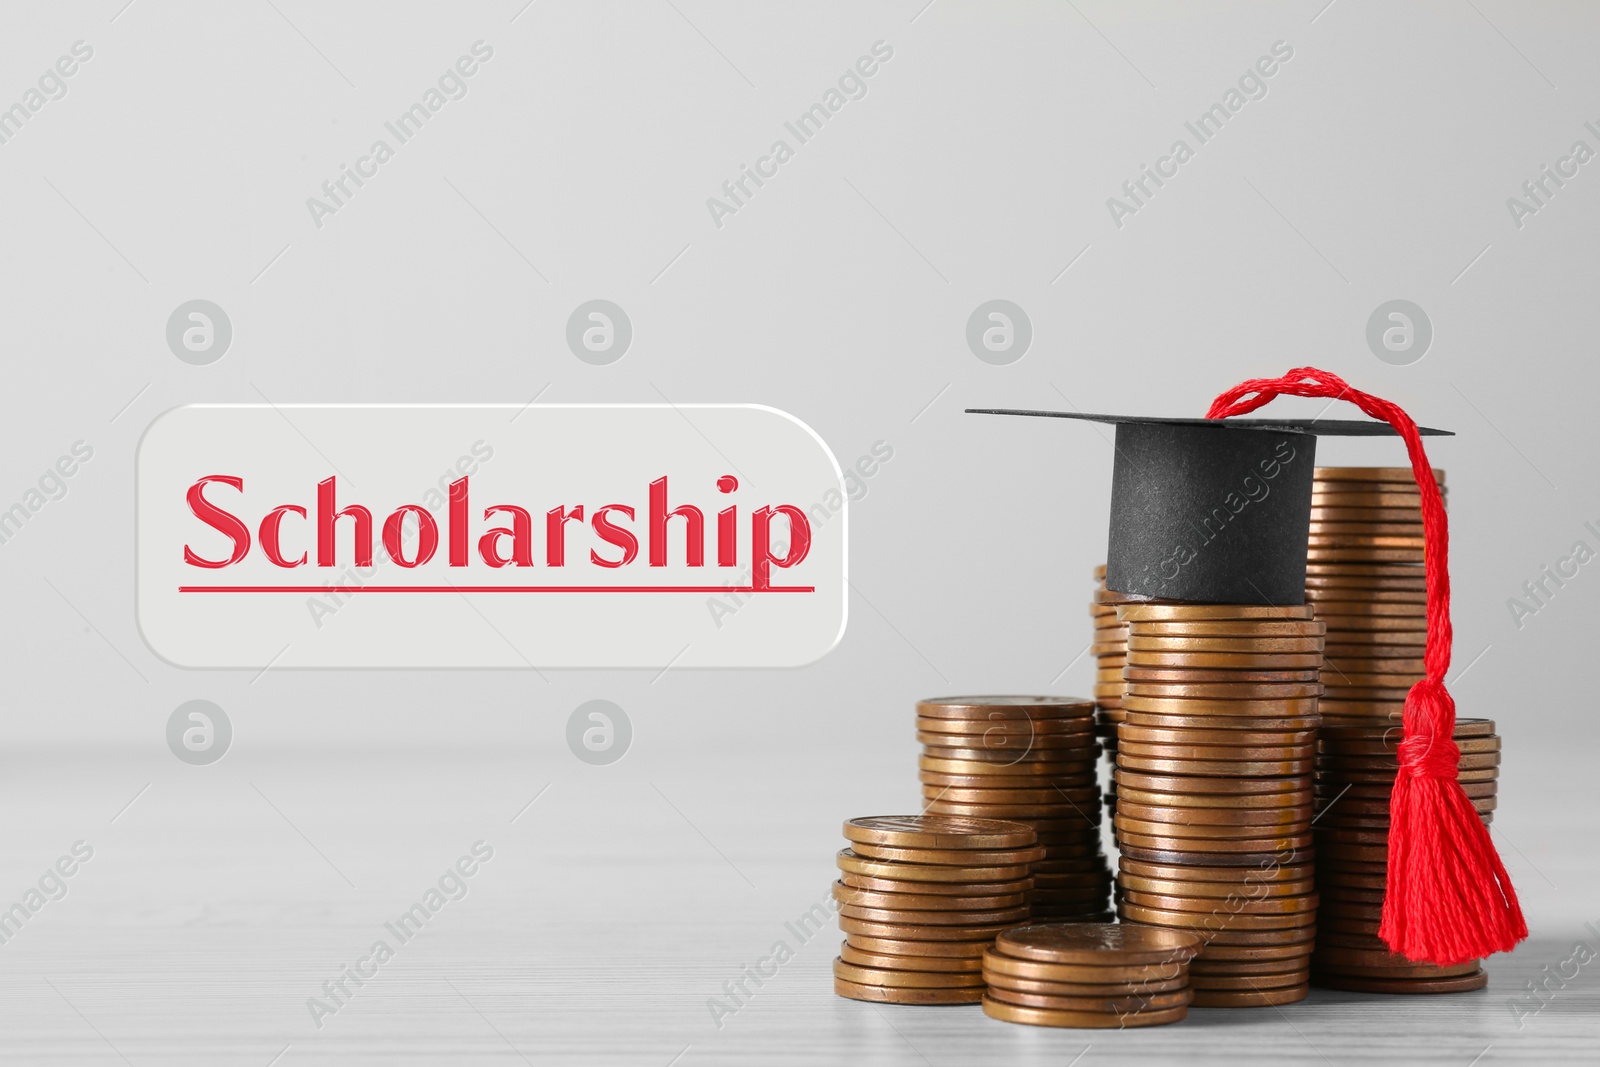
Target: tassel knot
<point>1428,751</point>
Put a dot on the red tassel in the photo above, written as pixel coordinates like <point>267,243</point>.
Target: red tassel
<point>1448,898</point>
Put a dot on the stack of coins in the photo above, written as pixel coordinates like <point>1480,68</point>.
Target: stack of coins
<point>1214,765</point>
<point>1364,576</point>
<point>1095,975</point>
<point>1110,650</point>
<point>1034,760</point>
<point>1356,768</point>
<point>920,898</point>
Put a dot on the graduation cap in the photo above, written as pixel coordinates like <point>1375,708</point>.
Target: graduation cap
<point>1216,511</point>
<point>1448,898</point>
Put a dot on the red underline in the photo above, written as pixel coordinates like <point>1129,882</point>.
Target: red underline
<point>317,589</point>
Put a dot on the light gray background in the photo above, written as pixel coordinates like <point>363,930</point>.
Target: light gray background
<point>976,168</point>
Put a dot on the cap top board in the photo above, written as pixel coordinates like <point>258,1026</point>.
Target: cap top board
<point>1317,427</point>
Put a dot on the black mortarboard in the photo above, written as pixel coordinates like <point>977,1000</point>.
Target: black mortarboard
<point>1212,510</point>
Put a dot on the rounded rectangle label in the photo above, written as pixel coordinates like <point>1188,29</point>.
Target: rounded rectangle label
<point>490,536</point>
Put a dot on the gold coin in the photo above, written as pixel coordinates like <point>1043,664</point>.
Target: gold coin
<point>1250,845</point>
<point>937,831</point>
<point>986,707</point>
<point>1214,890</point>
<point>1166,966</point>
<point>1030,813</point>
<point>1094,944</point>
<point>1364,514</point>
<point>1318,541</point>
<point>1206,832</point>
<point>868,898</point>
<point>1133,732</point>
<point>1248,646</point>
<point>1226,954</point>
<point>1178,981</point>
<point>1227,628</point>
<point>1212,723</point>
<point>855,863</point>
<point>894,995</point>
<point>1369,608</point>
<point>1372,623</point>
<point>1302,708</point>
<point>1406,576</point>
<point>1363,570</point>
<point>1302,936</point>
<point>1017,1013</point>
<point>1318,595</point>
<point>1240,905</point>
<point>960,857</point>
<point>939,889</point>
<point>1283,816</point>
<point>1226,660</point>
<point>1003,768</point>
<point>1058,761</point>
<point>1352,692</point>
<point>949,965</point>
<point>1362,712</point>
<point>1329,498</point>
<point>1006,726</point>
<point>1167,676</point>
<point>1067,746</point>
<point>1156,783</point>
<point>994,796</point>
<point>1074,785</point>
<point>932,918</point>
<point>1336,670</point>
<point>1334,852</point>
<point>999,787</point>
<point>1172,750</point>
<point>1253,983</point>
<point>1463,984</point>
<point>1253,998</point>
<point>878,976</point>
<point>1225,691</point>
<point>1128,1002</point>
<point>1205,920</point>
<point>932,951</point>
<point>1194,858</point>
<point>1409,555</point>
<point>1371,474</point>
<point>1061,810</point>
<point>1240,768</point>
<point>1410,526</point>
<point>1139,613</point>
<point>1218,805</point>
<point>920,932</point>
